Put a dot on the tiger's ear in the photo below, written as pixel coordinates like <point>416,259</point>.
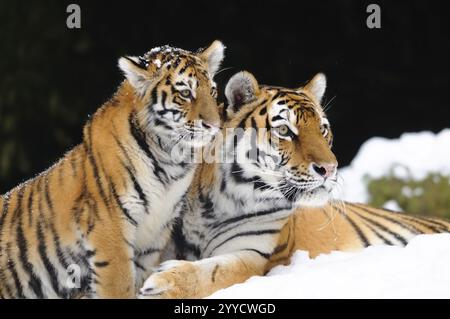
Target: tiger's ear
<point>135,71</point>
<point>316,86</point>
<point>213,56</point>
<point>241,89</point>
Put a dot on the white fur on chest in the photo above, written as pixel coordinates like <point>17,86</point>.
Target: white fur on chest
<point>153,222</point>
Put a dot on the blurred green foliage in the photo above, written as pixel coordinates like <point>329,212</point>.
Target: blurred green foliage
<point>429,196</point>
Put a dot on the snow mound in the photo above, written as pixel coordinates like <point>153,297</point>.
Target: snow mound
<point>419,270</point>
<point>412,155</point>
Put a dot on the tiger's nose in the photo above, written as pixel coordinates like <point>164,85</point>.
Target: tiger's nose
<point>324,170</point>
<point>211,125</point>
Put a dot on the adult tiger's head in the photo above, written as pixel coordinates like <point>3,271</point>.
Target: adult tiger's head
<point>174,92</point>
<point>285,144</point>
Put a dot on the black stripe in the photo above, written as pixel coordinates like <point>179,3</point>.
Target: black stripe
<point>49,267</point>
<point>131,169</point>
<point>382,227</point>
<point>18,211</point>
<point>263,111</point>
<point>147,252</point>
<point>182,246</point>
<point>30,205</point>
<point>56,240</point>
<point>276,118</point>
<point>138,265</point>
<point>11,265</point>
<point>138,188</point>
<point>184,68</point>
<point>163,99</point>
<point>93,163</point>
<point>101,264</point>
<point>59,251</point>
<point>409,228</point>
<point>278,249</point>
<point>380,236</point>
<point>356,228</point>
<point>246,234</point>
<point>34,282</point>
<point>423,222</point>
<point>432,221</point>
<point>159,122</point>
<point>47,195</point>
<point>264,255</point>
<point>248,216</point>
<point>131,174</point>
<point>154,96</point>
<point>140,65</point>
<point>140,139</point>
<point>90,253</point>
<point>119,204</point>
<point>222,230</point>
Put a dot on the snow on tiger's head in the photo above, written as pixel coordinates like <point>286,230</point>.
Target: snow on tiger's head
<point>175,93</point>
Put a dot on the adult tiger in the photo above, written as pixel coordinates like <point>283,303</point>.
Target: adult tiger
<point>240,220</point>
<point>276,158</point>
<point>102,212</point>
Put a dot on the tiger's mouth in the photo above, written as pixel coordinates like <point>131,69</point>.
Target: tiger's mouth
<point>194,136</point>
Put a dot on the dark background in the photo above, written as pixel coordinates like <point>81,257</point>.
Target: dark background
<point>384,82</point>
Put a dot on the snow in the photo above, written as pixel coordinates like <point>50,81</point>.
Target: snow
<point>419,270</point>
<point>413,155</point>
<point>157,62</point>
<point>392,205</point>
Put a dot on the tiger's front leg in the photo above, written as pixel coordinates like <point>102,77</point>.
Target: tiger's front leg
<point>199,279</point>
<point>113,272</point>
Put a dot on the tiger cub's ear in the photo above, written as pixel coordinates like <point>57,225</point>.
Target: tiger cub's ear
<point>240,89</point>
<point>316,86</point>
<point>135,70</point>
<point>213,56</point>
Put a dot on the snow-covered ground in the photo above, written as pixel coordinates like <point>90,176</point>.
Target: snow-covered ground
<point>419,270</point>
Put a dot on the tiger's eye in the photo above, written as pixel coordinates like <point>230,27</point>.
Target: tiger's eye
<point>185,93</point>
<point>283,130</point>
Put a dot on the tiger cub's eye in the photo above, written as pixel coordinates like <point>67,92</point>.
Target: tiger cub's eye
<point>283,130</point>
<point>185,93</point>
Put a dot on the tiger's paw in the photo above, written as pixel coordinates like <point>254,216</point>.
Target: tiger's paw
<point>173,279</point>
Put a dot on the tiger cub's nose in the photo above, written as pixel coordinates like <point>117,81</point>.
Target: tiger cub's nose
<point>210,125</point>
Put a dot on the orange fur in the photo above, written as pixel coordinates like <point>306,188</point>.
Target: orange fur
<point>74,213</point>
<point>335,226</point>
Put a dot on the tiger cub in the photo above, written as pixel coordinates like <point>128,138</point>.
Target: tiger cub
<point>281,159</point>
<point>94,223</point>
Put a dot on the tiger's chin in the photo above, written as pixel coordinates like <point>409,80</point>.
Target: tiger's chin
<point>317,197</point>
<point>196,142</point>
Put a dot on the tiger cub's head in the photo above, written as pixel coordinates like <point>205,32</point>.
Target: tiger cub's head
<point>174,92</point>
<point>285,147</point>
